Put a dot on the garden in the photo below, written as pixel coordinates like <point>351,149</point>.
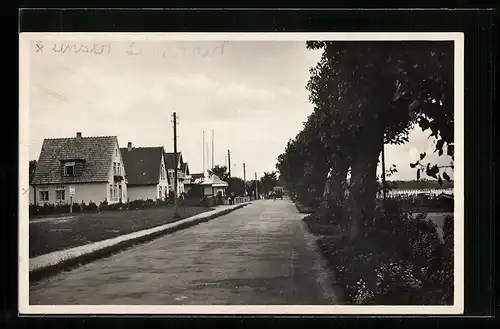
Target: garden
<point>367,95</point>
<point>89,223</point>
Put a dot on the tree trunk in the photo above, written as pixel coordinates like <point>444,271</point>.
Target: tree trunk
<point>333,192</point>
<point>363,188</point>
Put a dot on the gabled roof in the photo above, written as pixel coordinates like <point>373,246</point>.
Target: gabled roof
<point>197,175</point>
<point>185,168</point>
<point>95,152</point>
<point>170,160</point>
<point>142,164</point>
<point>214,181</point>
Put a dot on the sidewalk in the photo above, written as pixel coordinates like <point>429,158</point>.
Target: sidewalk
<point>59,260</point>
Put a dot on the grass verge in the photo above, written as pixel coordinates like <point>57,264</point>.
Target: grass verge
<point>67,264</point>
<point>65,232</point>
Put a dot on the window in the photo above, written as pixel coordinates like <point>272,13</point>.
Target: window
<point>44,195</point>
<point>162,172</point>
<point>118,169</point>
<point>69,169</point>
<point>160,192</point>
<point>60,194</point>
<point>114,168</point>
<point>110,192</point>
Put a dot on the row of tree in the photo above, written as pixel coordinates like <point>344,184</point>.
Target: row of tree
<point>365,95</point>
<point>238,186</point>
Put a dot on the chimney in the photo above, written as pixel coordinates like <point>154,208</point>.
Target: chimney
<point>78,135</point>
<point>129,146</point>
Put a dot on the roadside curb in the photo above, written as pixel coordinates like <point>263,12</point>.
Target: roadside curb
<point>50,268</point>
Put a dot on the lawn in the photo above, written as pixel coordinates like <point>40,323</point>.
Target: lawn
<point>80,229</point>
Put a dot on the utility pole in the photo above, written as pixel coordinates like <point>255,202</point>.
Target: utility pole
<point>256,189</point>
<point>203,149</point>
<point>384,191</point>
<point>213,149</point>
<point>176,215</point>
<point>245,178</point>
<point>229,162</point>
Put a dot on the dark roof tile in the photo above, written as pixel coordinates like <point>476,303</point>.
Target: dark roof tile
<point>170,159</point>
<point>142,164</point>
<point>96,152</point>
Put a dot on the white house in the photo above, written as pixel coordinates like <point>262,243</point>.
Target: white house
<point>180,166</point>
<point>91,167</point>
<point>146,172</point>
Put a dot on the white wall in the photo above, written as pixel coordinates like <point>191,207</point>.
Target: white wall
<point>143,192</point>
<point>117,157</point>
<point>209,191</point>
<point>163,182</point>
<point>95,192</point>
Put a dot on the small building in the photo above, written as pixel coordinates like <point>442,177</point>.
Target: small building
<point>197,178</point>
<point>146,172</point>
<point>91,167</point>
<point>213,185</point>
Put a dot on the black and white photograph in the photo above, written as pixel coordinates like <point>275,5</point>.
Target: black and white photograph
<point>241,173</point>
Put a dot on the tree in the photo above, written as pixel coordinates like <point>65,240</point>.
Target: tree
<point>268,181</point>
<point>32,169</point>
<point>236,185</point>
<point>367,94</point>
<point>219,171</point>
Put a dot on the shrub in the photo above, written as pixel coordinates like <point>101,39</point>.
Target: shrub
<point>136,204</point>
<point>91,207</point>
<point>399,260</point>
<point>103,206</point>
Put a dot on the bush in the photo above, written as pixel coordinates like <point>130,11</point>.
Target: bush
<point>103,206</point>
<point>91,207</point>
<point>137,204</point>
<point>399,260</point>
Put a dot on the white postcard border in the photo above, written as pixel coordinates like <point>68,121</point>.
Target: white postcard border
<point>24,93</point>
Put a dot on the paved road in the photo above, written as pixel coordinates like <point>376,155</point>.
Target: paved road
<point>258,255</point>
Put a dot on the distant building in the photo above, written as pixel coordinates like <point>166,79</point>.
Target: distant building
<point>92,166</point>
<point>213,185</point>
<point>181,171</point>
<point>146,172</point>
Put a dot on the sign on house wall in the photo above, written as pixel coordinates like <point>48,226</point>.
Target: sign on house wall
<point>71,190</point>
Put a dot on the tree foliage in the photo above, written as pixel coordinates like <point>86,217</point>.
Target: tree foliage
<point>236,186</point>
<point>365,95</point>
<point>219,171</point>
<point>32,169</point>
<point>268,181</point>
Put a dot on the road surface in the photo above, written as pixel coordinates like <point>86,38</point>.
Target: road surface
<point>258,255</point>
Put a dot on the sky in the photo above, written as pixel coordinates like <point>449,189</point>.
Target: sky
<point>250,93</point>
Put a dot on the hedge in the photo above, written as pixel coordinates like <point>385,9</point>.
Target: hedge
<point>53,209</point>
<point>399,260</point>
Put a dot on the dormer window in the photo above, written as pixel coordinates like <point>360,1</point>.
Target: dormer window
<point>69,169</point>
<point>72,167</point>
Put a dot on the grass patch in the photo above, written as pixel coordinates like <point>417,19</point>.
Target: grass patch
<point>66,263</point>
<point>85,228</point>
<point>304,209</point>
